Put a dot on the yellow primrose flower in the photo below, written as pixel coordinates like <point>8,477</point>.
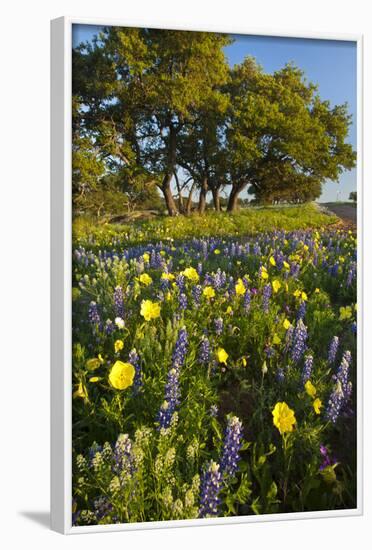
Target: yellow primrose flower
<point>150,310</point>
<point>297,293</point>
<point>276,285</point>
<point>217,251</point>
<point>345,313</point>
<point>244,361</point>
<point>272,260</point>
<point>310,389</point>
<point>286,324</point>
<point>317,291</point>
<point>276,339</point>
<point>228,310</point>
<point>93,364</point>
<point>145,279</point>
<point>191,274</point>
<point>286,265</point>
<point>118,345</point>
<point>146,257</point>
<point>209,292</point>
<point>317,404</point>
<point>121,375</point>
<point>95,379</point>
<point>306,248</point>
<point>283,417</point>
<point>304,296</point>
<point>264,273</point>
<point>168,296</point>
<point>80,392</point>
<point>240,288</point>
<point>167,276</point>
<point>162,252</point>
<point>222,356</point>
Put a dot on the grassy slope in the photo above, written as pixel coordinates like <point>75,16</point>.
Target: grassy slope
<point>244,222</point>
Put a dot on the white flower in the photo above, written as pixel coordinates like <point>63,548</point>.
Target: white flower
<point>119,322</point>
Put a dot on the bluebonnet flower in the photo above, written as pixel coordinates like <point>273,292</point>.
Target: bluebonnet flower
<point>289,338</point>
<point>231,447</point>
<point>196,293</point>
<point>199,268</point>
<point>180,282</point>
<point>134,359</point>
<point>332,352</point>
<point>172,389</point>
<point>93,315</point>
<point>308,367</point>
<point>182,301</point>
<point>123,456</point>
<point>218,325</point>
<point>327,460</point>
<point>219,279</point>
<point>354,327</point>
<point>247,300</point>
<point>342,389</point>
<point>210,487</point>
<point>102,507</point>
<point>266,297</point>
<point>299,341</point>
<point>280,375</point>
<point>269,351</point>
<point>294,269</point>
<point>301,310</point>
<point>213,411</point>
<point>205,351</point>
<point>109,327</point>
<point>351,274</point>
<point>118,302</point>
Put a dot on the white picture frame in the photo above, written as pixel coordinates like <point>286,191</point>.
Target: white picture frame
<point>61,322</point>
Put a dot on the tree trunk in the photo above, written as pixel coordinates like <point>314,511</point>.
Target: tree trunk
<point>203,196</point>
<point>168,197</point>
<point>216,198</point>
<point>232,205</point>
<point>189,199</point>
<point>180,198</point>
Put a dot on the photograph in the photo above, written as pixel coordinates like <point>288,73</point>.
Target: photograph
<point>214,275</point>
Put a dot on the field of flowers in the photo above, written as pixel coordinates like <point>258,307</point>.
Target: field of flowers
<point>213,376</point>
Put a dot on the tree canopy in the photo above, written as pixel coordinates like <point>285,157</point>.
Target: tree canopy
<point>154,109</point>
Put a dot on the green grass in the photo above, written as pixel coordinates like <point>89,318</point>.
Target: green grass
<point>212,224</point>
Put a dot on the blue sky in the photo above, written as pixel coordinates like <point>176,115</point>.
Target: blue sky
<point>329,64</point>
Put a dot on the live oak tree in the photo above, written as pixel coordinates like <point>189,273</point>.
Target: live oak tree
<point>279,125</point>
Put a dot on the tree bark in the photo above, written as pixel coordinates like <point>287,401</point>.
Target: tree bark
<point>216,198</point>
<point>232,205</point>
<point>203,196</point>
<point>189,199</point>
<point>168,197</point>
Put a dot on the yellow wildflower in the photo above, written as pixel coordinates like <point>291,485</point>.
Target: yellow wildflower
<point>345,313</point>
<point>167,276</point>
<point>264,273</point>
<point>222,356</point>
<point>95,379</point>
<point>286,265</point>
<point>286,324</point>
<point>272,260</point>
<point>145,279</point>
<point>121,375</point>
<point>118,345</point>
<point>146,257</point>
<point>310,389</point>
<point>317,404</point>
<point>283,417</point>
<point>276,339</point>
<point>240,288</point>
<point>276,285</point>
<point>191,274</point>
<point>209,292</point>
<point>93,364</point>
<point>304,296</point>
<point>217,251</point>
<point>317,291</point>
<point>81,392</point>
<point>228,310</point>
<point>244,361</point>
<point>150,310</point>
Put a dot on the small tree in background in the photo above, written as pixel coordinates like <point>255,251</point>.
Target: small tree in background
<point>353,196</point>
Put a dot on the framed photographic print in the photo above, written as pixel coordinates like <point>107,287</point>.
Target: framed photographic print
<point>206,230</point>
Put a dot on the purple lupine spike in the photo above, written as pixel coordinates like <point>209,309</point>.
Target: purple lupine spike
<point>247,300</point>
<point>333,350</point>
<point>209,490</point>
<point>196,293</point>
<point>123,456</point>
<point>93,315</point>
<point>119,302</point>
<point>134,359</point>
<point>182,301</point>
<point>342,389</point>
<point>301,312</point>
<point>172,389</point>
<point>109,327</point>
<point>299,341</point>
<point>205,352</point>
<point>266,294</point>
<point>308,367</point>
<point>231,447</point>
<point>218,326</point>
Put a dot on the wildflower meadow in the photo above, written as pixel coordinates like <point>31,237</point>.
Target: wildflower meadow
<point>213,376</point>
